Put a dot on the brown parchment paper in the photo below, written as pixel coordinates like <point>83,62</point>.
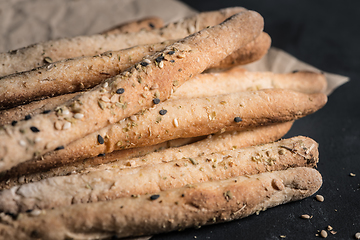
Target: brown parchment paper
<point>24,22</point>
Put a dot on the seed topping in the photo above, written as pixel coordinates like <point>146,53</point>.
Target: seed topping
<point>27,117</point>
<point>120,91</point>
<point>156,100</point>
<point>34,129</point>
<point>162,112</point>
<point>154,197</point>
<point>13,123</point>
<point>100,139</point>
<point>237,119</point>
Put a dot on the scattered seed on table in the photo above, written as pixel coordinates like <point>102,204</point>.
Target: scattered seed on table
<point>305,216</point>
<point>357,235</point>
<point>320,198</point>
<point>323,234</point>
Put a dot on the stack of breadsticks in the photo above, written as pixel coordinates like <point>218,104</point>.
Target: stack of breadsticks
<point>144,129</point>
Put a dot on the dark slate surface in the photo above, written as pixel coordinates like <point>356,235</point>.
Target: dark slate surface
<point>326,35</point>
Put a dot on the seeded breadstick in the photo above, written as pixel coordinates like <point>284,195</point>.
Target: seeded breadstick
<point>238,79</point>
<point>176,209</point>
<point>147,23</point>
<point>128,93</point>
<point>233,80</point>
<point>109,184</point>
<point>32,171</point>
<point>36,55</point>
<point>13,115</point>
<point>247,54</point>
<point>176,119</point>
<point>71,75</point>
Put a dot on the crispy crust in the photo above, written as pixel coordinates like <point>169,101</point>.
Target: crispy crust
<point>238,79</point>
<point>193,206</point>
<point>70,75</point>
<point>148,23</point>
<point>109,183</point>
<point>253,51</point>
<point>93,110</point>
<point>207,84</point>
<point>33,56</point>
<point>32,171</point>
<point>213,114</point>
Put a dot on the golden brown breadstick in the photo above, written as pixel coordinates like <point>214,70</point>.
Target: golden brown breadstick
<point>176,209</point>
<point>253,51</point>
<point>129,92</point>
<point>71,75</point>
<point>147,23</point>
<point>176,119</point>
<point>36,55</point>
<point>110,184</point>
<point>32,171</point>
<point>13,115</point>
<point>238,79</point>
<point>233,80</point>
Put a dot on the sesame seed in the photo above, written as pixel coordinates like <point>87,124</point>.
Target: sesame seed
<point>357,235</point>
<point>320,198</point>
<point>120,91</point>
<point>13,123</point>
<point>162,112</point>
<point>66,112</point>
<point>35,212</point>
<point>58,125</point>
<point>295,71</point>
<point>352,174</point>
<point>101,155</point>
<point>154,197</point>
<point>78,115</point>
<point>133,118</point>
<point>305,216</point>
<point>106,84</point>
<point>237,119</point>
<point>105,99</point>
<point>59,148</point>
<point>114,98</point>
<point>27,117</point>
<point>37,139</point>
<point>161,64</point>
<point>156,101</point>
<point>152,26</point>
<point>181,55</point>
<point>46,111</point>
<point>34,129</point>
<point>172,61</point>
<point>176,123</point>
<point>100,139</point>
<point>171,52</point>
<point>147,61</point>
<point>144,64</point>
<point>323,234</point>
<point>22,143</point>
<point>159,59</point>
<point>67,125</point>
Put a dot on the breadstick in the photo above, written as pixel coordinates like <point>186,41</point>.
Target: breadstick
<point>13,115</point>
<point>175,119</point>
<point>36,55</point>
<point>147,23</point>
<point>32,171</point>
<point>132,91</point>
<point>109,184</point>
<point>207,84</point>
<point>238,79</point>
<point>253,51</point>
<point>71,75</point>
<point>176,209</point>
